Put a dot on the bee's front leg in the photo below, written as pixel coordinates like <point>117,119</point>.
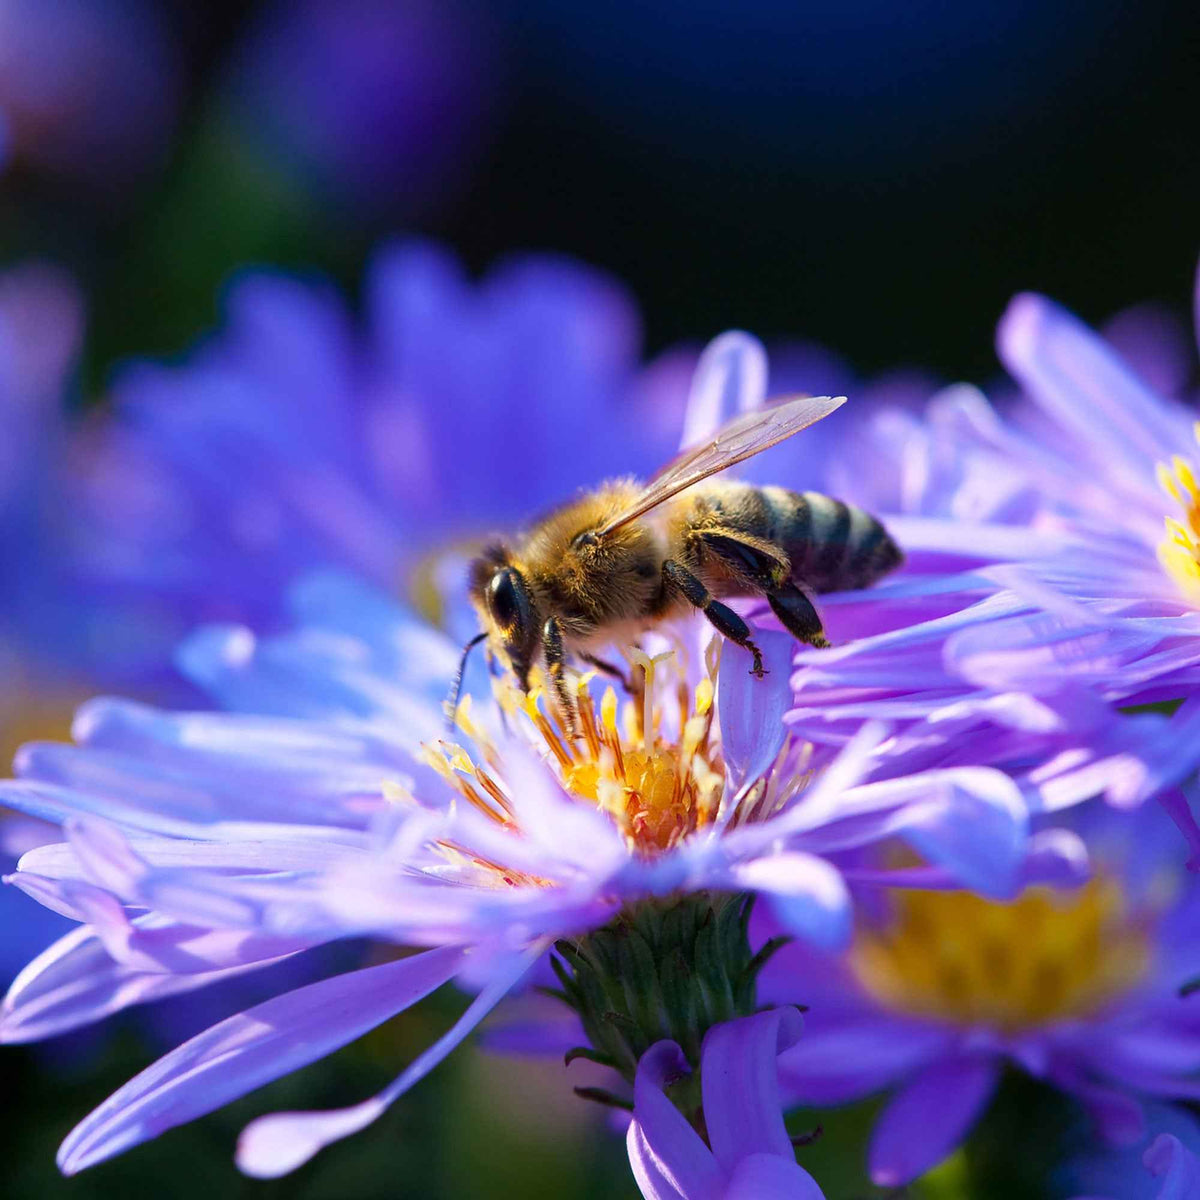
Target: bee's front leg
<point>555,658</point>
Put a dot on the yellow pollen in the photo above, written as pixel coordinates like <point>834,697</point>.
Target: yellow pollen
<point>656,791</point>
<point>1179,553</point>
<point>1046,956</point>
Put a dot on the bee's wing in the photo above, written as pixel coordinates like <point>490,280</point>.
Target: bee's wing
<point>741,438</point>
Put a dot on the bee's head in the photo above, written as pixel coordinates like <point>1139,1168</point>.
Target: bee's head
<point>507,609</point>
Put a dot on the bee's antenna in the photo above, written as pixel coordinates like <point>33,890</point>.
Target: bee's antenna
<point>456,687</point>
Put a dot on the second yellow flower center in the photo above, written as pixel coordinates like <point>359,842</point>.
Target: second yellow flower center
<point>1046,956</point>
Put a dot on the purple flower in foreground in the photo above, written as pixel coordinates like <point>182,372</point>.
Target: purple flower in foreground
<point>939,991</point>
<point>748,1155</point>
<point>1175,1166</point>
<point>202,845</point>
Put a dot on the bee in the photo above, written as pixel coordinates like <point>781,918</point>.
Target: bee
<point>602,568</point>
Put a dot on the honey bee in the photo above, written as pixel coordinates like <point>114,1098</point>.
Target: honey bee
<point>602,568</point>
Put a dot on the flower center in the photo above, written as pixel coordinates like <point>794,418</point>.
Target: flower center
<point>1179,551</point>
<point>657,789</point>
<point>1046,956</point>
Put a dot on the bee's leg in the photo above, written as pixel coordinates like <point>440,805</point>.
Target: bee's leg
<point>770,575</point>
<point>799,617</point>
<point>552,651</point>
<point>610,670</point>
<point>678,577</point>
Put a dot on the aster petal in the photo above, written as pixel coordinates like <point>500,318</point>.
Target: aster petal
<point>770,1177</point>
<point>75,982</point>
<point>667,1155</point>
<point>977,829</point>
<point>201,795</point>
<point>401,646</point>
<point>839,1061</point>
<point>250,1049</point>
<point>1120,1117</point>
<point>751,710</point>
<point>306,674</point>
<point>730,378</point>
<point>274,1145</point>
<point>927,1118</point>
<point>1170,1161</point>
<point>652,1180</point>
<point>970,820</point>
<point>740,1085</point>
<point>973,542</point>
<point>806,893</point>
<point>1084,386</point>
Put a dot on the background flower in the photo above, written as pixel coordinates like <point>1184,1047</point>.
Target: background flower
<point>940,991</point>
<point>380,106</point>
<point>88,89</point>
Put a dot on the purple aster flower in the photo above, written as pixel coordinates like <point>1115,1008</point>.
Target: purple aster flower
<point>746,1154</point>
<point>384,106</point>
<point>939,992</point>
<point>87,88</point>
<point>202,845</point>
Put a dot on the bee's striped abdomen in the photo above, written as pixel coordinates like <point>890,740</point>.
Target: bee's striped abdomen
<point>832,546</point>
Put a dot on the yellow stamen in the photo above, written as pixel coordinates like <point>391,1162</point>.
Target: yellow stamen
<point>1179,553</point>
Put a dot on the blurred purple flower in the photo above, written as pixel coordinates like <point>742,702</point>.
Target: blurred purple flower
<point>939,991</point>
<point>385,106</point>
<point>748,1154</point>
<point>1164,1167</point>
<point>295,440</point>
<point>1177,1168</point>
<point>88,88</point>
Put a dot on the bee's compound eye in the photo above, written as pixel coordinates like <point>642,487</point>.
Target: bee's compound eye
<point>502,598</point>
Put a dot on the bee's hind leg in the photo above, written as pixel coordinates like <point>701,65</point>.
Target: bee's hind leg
<point>799,617</point>
<point>552,651</point>
<point>768,574</point>
<point>678,578</point>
